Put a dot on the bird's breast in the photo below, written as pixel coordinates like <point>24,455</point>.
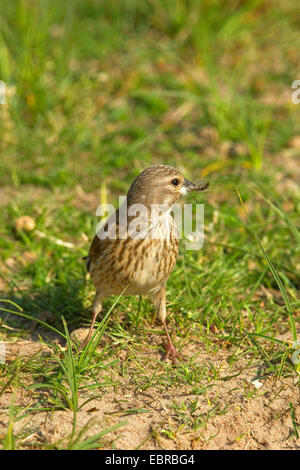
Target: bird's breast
<point>142,264</point>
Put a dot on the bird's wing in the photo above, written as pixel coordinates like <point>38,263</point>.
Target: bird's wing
<point>111,228</point>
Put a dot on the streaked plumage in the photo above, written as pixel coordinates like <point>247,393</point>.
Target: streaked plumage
<point>141,265</point>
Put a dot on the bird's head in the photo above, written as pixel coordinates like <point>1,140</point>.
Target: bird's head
<point>160,184</point>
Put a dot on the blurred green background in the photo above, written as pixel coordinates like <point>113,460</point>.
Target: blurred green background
<point>95,87</point>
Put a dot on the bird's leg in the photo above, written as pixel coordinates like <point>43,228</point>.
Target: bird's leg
<point>170,348</point>
<point>97,307</point>
<point>160,301</point>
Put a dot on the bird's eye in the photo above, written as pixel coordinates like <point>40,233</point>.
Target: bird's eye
<point>175,182</point>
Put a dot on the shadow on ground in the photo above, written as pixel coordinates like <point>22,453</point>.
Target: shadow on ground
<point>47,304</point>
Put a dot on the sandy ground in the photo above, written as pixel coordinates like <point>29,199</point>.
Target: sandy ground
<point>240,411</point>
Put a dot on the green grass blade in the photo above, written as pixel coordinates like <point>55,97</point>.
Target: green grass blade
<point>275,274</point>
<point>95,441</point>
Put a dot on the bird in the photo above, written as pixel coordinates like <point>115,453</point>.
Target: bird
<point>136,255</point>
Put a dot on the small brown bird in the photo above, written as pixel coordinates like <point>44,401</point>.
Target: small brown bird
<point>138,252</point>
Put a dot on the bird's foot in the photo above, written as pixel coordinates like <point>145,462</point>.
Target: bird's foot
<point>172,352</point>
<point>84,343</point>
<point>82,346</point>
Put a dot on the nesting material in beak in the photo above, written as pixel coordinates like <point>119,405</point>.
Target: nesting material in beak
<point>189,186</point>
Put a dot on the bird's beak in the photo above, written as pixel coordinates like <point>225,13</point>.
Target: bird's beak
<point>189,186</point>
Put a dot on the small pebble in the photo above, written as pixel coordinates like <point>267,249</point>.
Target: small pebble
<point>25,222</point>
